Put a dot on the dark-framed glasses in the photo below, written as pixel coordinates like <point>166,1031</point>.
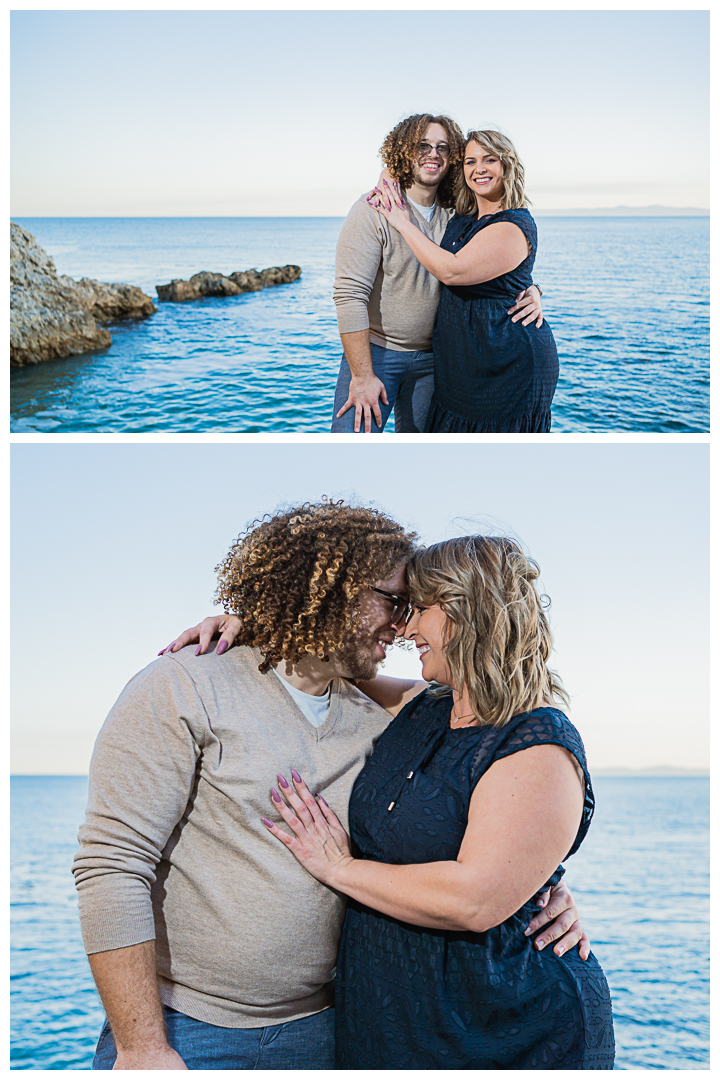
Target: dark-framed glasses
<point>402,608</point>
<point>442,148</point>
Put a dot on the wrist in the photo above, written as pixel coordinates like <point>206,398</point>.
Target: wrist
<point>341,875</point>
<point>147,1046</point>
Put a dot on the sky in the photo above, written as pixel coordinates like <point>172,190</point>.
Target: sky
<point>115,546</point>
<point>281,113</point>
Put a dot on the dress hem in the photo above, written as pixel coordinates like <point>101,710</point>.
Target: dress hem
<point>445,421</point>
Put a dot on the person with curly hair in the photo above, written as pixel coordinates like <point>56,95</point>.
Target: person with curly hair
<point>207,952</point>
<point>385,299</point>
<point>491,375</point>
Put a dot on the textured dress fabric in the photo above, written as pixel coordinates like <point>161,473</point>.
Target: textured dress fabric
<point>491,374</point>
<point>414,998</point>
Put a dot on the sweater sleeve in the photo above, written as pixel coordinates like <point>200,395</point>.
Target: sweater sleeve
<point>358,259</point>
<point>142,776</point>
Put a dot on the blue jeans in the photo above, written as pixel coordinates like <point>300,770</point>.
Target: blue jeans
<point>300,1044</point>
<point>409,382</point>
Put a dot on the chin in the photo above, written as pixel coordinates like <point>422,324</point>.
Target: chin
<point>365,670</point>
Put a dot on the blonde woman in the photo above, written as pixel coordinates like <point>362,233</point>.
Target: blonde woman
<point>491,374</point>
<point>473,796</point>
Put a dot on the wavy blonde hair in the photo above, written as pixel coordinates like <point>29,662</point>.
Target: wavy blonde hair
<point>295,578</point>
<point>498,638</point>
<point>514,198</point>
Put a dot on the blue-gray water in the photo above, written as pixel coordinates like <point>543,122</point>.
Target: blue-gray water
<point>641,879</point>
<point>627,299</point>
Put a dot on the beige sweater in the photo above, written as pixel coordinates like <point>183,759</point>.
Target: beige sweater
<point>380,285</point>
<point>173,847</point>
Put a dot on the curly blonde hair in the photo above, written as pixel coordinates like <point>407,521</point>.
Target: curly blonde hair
<point>494,142</point>
<point>498,636</point>
<point>295,578</point>
<point>401,147</point>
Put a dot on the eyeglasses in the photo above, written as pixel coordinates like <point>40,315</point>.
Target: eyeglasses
<point>402,608</point>
<point>442,148</point>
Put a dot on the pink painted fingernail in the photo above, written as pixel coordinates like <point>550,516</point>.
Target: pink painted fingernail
<point>222,646</point>
<point>320,798</point>
<point>197,651</point>
<point>296,776</point>
<point>275,795</point>
<point>269,824</point>
<point>283,781</point>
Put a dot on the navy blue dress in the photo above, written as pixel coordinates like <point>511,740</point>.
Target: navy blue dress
<point>490,374</point>
<point>415,998</point>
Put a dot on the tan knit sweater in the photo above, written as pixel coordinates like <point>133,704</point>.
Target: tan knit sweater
<point>173,847</point>
<point>380,285</point>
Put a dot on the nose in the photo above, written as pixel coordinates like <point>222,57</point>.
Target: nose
<point>409,631</point>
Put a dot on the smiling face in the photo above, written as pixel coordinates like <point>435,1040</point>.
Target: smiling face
<point>428,629</point>
<point>483,172</point>
<point>433,160</point>
<point>378,629</point>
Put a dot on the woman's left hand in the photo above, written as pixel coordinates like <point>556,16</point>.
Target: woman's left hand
<point>319,842</point>
<point>389,201</point>
<point>558,903</point>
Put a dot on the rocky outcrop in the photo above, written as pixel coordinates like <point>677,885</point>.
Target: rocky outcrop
<point>208,284</point>
<point>53,316</point>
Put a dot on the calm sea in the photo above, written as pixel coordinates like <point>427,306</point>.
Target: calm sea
<point>641,878</point>
<point>627,299</point>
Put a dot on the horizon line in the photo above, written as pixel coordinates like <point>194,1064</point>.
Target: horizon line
<point>589,211</point>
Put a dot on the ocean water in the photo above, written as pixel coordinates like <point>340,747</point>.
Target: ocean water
<point>627,299</point>
<point>641,879</point>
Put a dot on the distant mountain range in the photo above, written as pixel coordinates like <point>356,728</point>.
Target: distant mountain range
<point>655,770</point>
<point>625,211</point>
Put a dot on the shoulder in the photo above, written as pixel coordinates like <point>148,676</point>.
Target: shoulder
<point>362,216</point>
<point>521,217</point>
<point>518,214</point>
<point>354,695</point>
<point>542,725</point>
<point>208,672</point>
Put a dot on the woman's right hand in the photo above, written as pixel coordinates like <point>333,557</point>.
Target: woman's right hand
<point>390,202</point>
<point>226,627</point>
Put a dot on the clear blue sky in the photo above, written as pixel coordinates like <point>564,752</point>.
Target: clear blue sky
<point>282,112</point>
<point>114,550</point>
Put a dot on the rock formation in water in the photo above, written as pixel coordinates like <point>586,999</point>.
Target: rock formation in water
<point>208,284</point>
<point>53,316</point>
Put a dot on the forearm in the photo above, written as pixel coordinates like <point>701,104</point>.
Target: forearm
<point>127,983</point>
<point>356,347</point>
<point>442,895</point>
<point>440,263</point>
